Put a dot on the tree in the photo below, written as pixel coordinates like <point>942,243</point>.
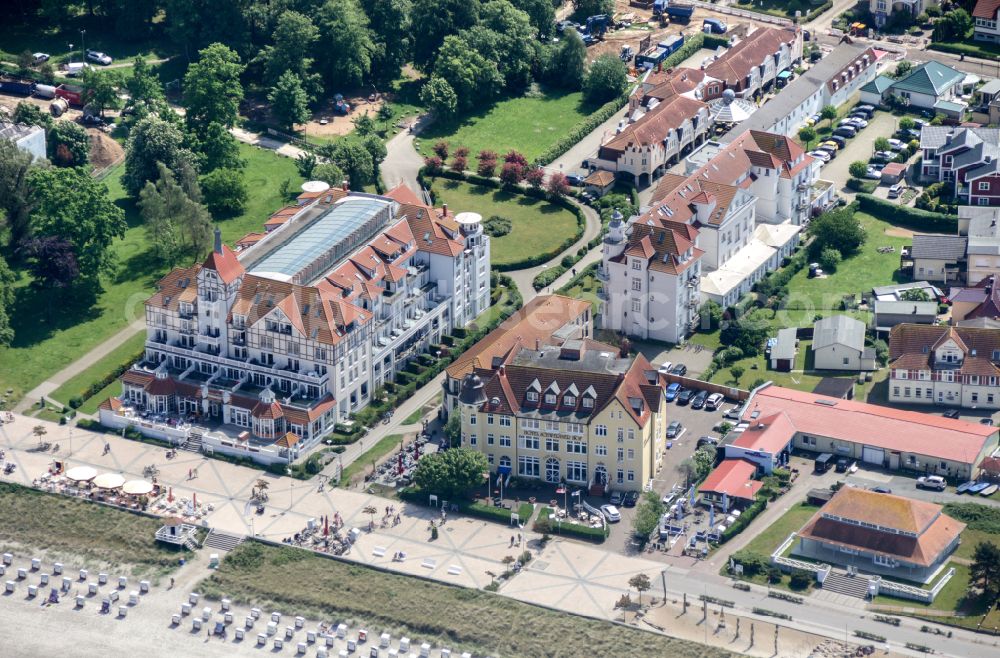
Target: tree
<point>640,583</point>
<point>6,303</point>
<point>585,8</point>
<point>364,124</point>
<point>903,69</point>
<point>830,258</point>
<point>376,148</point>
<point>39,431</point>
<point>151,141</point>
<point>955,25</point>
<point>858,169</point>
<point>535,176</point>
<point>704,459</point>
<point>100,89</point>
<point>453,429</point>
<point>487,163</point>
<point>505,35</point>
<point>647,515</point>
<point>434,20</point>
<point>566,63</point>
<point>355,161</point>
<point>305,163</point>
<point>711,315</point>
<point>806,135</point>
<point>881,144</point>
<point>225,192</point>
<point>475,79</point>
<point>839,229</point>
<point>906,123</point>
<point>433,165</point>
<point>605,80</point>
<point>985,570</point>
<point>389,21</point>
<point>511,173</point>
<point>439,97</point>
<point>737,372</point>
<point>289,101</point>
<point>143,87</point>
<point>829,113</point>
<point>451,473</point>
<point>915,295</point>
<point>68,144</point>
<point>748,332</point>
<point>294,37</point>
<point>218,149</point>
<point>52,262</point>
<point>24,62</point>
<point>31,115</point>
<point>194,24</point>
<point>459,163</point>
<point>176,224</point>
<point>558,185</point>
<point>71,204</point>
<point>344,51</point>
<point>47,73</point>
<point>441,149</point>
<point>212,89</point>
<point>15,195</point>
<point>328,172</point>
<point>542,14</point>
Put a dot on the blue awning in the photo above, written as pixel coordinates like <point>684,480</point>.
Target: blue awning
<point>784,75</point>
<point>503,470</point>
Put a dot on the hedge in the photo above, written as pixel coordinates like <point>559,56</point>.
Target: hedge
<point>547,276</point>
<point>744,520</point>
<point>862,185</point>
<point>413,494</point>
<point>544,525</point>
<point>563,202</point>
<point>812,15</point>
<point>982,49</point>
<point>582,129</point>
<point>894,213</point>
<point>585,272</point>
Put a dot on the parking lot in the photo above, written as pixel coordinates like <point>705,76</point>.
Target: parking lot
<point>883,124</point>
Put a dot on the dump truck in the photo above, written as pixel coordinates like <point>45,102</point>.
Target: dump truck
<point>72,94</point>
<point>13,85</point>
<point>595,27</point>
<point>673,10</point>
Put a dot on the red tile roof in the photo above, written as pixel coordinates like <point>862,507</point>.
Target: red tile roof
<point>873,425</point>
<point>225,264</point>
<point>986,9</point>
<point>403,194</point>
<point>736,63</point>
<point>733,477</point>
<point>770,434</point>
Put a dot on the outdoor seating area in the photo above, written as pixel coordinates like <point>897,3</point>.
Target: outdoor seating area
<point>325,536</point>
<point>396,470</point>
<point>79,589</point>
<point>696,529</point>
<point>279,632</point>
<point>109,488</point>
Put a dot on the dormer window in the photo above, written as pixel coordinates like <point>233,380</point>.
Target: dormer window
<point>550,398</point>
<point>569,400</point>
<point>532,396</point>
<point>588,403</point>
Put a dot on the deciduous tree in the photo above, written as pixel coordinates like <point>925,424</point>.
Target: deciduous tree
<point>329,173</point>
<point>605,80</point>
<point>15,194</point>
<point>355,161</point>
<point>839,229</point>
<point>289,101</point>
<point>217,149</point>
<point>389,21</point>
<point>439,97</point>
<point>640,583</point>
<point>558,185</point>
<point>152,140</point>
<point>32,115</point>
<point>344,52</point>
<point>100,89</point>
<point>176,224</point>
<point>225,192</point>
<point>807,134</point>
<point>6,303</point>
<point>985,570</point>
<point>433,20</point>
<point>452,472</point>
<point>68,144</point>
<point>567,61</point>
<point>52,262</point>
<point>212,88</point>
<point>295,36</point>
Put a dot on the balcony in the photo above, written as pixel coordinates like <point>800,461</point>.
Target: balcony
<point>602,274</point>
<point>250,365</point>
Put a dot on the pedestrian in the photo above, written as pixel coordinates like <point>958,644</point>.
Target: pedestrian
<point>189,473</point>
<point>171,583</point>
<point>512,540</point>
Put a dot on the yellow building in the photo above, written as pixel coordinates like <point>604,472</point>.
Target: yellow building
<point>578,413</point>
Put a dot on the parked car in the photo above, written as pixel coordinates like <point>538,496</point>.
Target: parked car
<point>934,482</point>
<point>679,369</point>
<point>883,156</point>
<point>674,429</point>
<point>713,401</point>
<point>616,498</point>
<point>685,396</point>
<point>670,393</point>
<point>986,421</point>
<point>896,145</point>
<point>810,121</point>
<point>831,145</point>
<point>816,118</point>
<point>823,156</point>
<point>733,412</point>
<point>665,367</point>
<point>951,413</point>
<point>611,513</point>
<point>630,499</point>
<point>882,489</point>
<point>576,180</point>
<point>858,121</point>
<point>98,57</point>
<point>698,401</point>
<point>873,173</point>
<point>909,133</point>
<point>896,190</point>
<point>845,131</point>
<point>707,441</point>
<point>829,150</point>
<point>842,465</point>
<point>715,25</point>
<point>38,58</point>
<point>838,140</point>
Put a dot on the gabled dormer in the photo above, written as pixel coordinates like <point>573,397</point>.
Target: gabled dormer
<point>552,394</point>
<point>533,392</point>
<point>950,349</point>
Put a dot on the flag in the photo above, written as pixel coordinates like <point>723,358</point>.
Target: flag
<point>691,495</point>
<point>711,518</point>
<point>561,490</point>
<point>725,503</point>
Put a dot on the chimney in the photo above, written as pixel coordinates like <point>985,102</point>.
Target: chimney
<point>502,371</point>
<point>344,186</point>
<point>444,209</point>
<point>218,241</point>
<point>538,345</point>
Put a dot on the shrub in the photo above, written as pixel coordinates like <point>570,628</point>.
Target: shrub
<point>753,563</point>
<point>830,258</point>
<point>511,173</point>
<point>224,191</point>
<point>441,149</point>
<point>800,579</point>
<point>433,165</point>
<point>459,163</point>
<point>921,220</point>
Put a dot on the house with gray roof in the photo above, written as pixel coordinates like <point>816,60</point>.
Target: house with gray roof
<point>936,258</point>
<point>967,158</point>
<point>30,139</point>
<point>782,351</point>
<point>874,93</point>
<point>839,344</point>
<point>890,313</point>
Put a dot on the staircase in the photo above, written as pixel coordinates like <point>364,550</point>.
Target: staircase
<point>222,541</point>
<point>193,443</point>
<point>856,586</point>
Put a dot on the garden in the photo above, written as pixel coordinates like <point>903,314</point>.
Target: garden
<point>756,556</point>
<point>537,226</point>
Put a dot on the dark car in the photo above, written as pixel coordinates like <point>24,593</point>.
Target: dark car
<point>698,401</point>
<point>708,441</point>
<point>685,396</point>
<point>674,429</point>
<point>951,413</point>
<point>574,179</point>
<point>845,131</point>
<point>842,465</point>
<point>630,499</point>
<point>680,370</point>
<point>838,140</point>
<point>881,489</point>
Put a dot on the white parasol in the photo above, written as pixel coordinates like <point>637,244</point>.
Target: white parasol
<point>137,487</point>
<point>81,474</point>
<point>108,481</point>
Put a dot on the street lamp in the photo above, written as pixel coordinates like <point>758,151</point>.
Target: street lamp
<point>83,51</point>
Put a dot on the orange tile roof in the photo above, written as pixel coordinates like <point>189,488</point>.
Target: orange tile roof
<point>770,434</point>
<point>403,194</point>
<point>986,9</point>
<point>225,264</point>
<point>287,441</point>
<point>654,126</point>
<point>733,477</point>
<point>736,63</point>
<point>874,425</point>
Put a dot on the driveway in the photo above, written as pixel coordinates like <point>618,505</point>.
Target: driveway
<point>570,161</point>
<point>402,162</point>
<point>883,124</point>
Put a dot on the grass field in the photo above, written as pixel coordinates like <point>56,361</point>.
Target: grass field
<point>78,385</point>
<point>770,538</point>
<point>299,582</point>
<point>585,288</point>
<point>46,342</point>
<point>61,526</point>
<point>530,125</point>
<point>373,454</point>
<point>422,411</point>
<point>538,226</point>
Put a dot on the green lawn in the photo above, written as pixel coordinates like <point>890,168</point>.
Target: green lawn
<point>47,340</point>
<point>789,522</point>
<point>78,385</point>
<point>586,288</point>
<point>782,8</point>
<point>529,124</point>
<point>372,455</point>
<point>538,226</point>
<point>953,597</point>
<point>423,411</point>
